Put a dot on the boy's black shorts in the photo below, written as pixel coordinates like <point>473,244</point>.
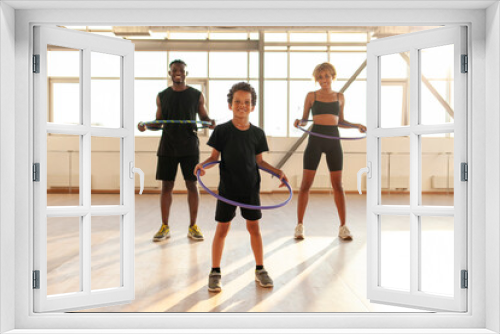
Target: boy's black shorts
<point>225,212</point>
<point>166,170</point>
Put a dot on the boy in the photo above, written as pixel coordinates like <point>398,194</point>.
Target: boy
<point>240,145</point>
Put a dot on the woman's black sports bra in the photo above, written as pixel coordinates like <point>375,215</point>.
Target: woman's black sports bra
<point>321,108</point>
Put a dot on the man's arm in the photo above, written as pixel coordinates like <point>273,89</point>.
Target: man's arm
<point>142,127</point>
<point>202,112</point>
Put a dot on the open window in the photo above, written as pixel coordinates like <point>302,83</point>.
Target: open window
<point>417,249</point>
<point>98,104</point>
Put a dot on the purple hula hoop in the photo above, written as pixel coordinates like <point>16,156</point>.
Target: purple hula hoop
<point>243,205</point>
<point>328,137</point>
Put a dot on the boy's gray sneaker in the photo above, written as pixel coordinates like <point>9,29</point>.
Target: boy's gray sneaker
<point>214,282</point>
<point>263,278</point>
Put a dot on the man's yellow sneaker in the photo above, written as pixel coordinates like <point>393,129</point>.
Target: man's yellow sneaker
<point>163,233</point>
<point>195,233</point>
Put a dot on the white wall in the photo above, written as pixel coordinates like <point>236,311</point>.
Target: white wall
<point>7,218</point>
<point>492,162</point>
<point>63,155</point>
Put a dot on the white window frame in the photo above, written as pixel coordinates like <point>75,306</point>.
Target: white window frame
<point>483,246</point>
<point>125,211</point>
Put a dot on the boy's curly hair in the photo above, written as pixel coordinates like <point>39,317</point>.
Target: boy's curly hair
<point>244,86</point>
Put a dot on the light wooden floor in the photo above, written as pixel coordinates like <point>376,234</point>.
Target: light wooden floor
<point>319,274</point>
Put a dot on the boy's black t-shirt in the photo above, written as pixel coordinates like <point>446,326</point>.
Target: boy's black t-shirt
<point>239,173</point>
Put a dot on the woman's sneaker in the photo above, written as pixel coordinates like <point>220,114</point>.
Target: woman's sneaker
<point>344,233</point>
<point>299,231</point>
<point>214,282</point>
<point>263,278</point>
<point>163,233</point>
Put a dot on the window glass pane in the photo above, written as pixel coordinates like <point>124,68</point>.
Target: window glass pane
<point>218,100</point>
<point>275,48</point>
<point>275,108</point>
<point>226,36</point>
<point>254,65</point>
<point>437,102</point>
<point>348,37</point>
<point>394,66</point>
<point>63,170</point>
<point>437,82</point>
<point>63,255</point>
<point>393,102</point>
<point>105,103</point>
<point>298,93</point>
<point>308,48</point>
<point>347,63</point>
<point>105,65</point>
<point>395,170</point>
<point>63,62</point>
<point>351,49</point>
<point>355,104</point>
<point>228,65</point>
<point>308,37</point>
<point>254,115</point>
<point>105,171</point>
<point>275,65</point>
<point>63,70</point>
<point>197,62</point>
<point>105,252</point>
<point>254,35</point>
<point>188,35</point>
<point>275,37</point>
<point>145,95</point>
<point>105,90</point>
<point>302,64</point>
<point>395,252</point>
<point>65,103</point>
<point>151,64</point>
<point>394,97</point>
<point>437,252</point>
<point>437,170</point>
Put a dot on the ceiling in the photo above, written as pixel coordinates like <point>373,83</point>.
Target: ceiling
<point>246,4</point>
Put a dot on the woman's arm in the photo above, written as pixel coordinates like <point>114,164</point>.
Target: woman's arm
<point>305,114</point>
<point>213,157</point>
<point>263,164</point>
<point>343,123</point>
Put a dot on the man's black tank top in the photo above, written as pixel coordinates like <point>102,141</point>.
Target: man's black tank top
<point>179,139</point>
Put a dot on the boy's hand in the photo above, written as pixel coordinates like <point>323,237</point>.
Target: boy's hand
<point>200,168</point>
<point>141,127</point>
<point>283,178</point>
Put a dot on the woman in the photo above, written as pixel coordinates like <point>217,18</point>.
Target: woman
<point>327,107</point>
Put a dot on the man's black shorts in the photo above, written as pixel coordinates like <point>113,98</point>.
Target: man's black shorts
<point>226,212</point>
<point>166,170</point>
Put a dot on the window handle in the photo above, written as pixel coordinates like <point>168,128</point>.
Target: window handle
<point>139,171</point>
<point>368,171</point>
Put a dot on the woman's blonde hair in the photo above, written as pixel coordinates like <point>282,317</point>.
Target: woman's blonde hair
<point>324,67</point>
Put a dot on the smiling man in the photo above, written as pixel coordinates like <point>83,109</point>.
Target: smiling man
<point>179,145</point>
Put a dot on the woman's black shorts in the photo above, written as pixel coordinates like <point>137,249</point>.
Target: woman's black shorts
<point>317,146</point>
